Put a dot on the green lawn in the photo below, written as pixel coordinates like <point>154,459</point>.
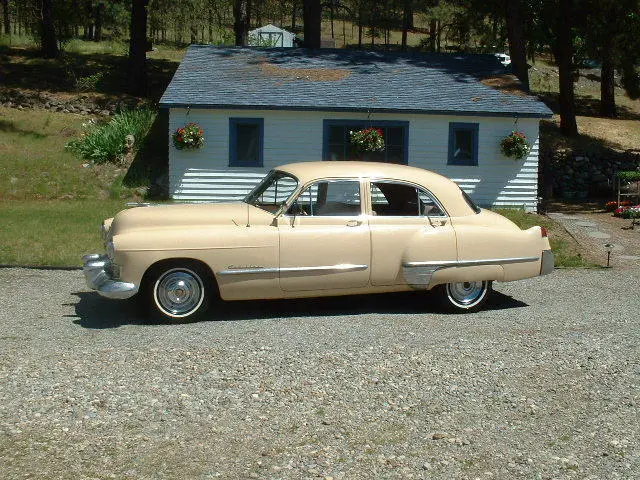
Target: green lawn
<point>52,232</point>
<point>51,206</point>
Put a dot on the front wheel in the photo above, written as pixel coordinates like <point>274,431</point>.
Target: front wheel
<point>178,292</point>
<point>465,296</point>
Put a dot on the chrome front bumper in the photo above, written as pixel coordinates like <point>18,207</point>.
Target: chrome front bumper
<point>96,274</point>
<point>547,264</point>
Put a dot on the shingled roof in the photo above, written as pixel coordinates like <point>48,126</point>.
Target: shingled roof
<point>347,80</point>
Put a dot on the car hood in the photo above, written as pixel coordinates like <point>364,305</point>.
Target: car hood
<point>188,215</point>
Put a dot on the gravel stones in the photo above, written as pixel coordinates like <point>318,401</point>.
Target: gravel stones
<point>543,384</point>
<point>597,234</point>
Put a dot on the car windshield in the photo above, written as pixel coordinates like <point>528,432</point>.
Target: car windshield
<point>272,191</point>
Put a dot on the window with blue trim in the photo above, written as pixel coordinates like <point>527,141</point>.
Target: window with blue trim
<point>246,141</point>
<point>337,141</point>
<point>463,144</point>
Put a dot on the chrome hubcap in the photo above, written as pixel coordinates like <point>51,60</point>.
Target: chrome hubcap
<point>466,293</point>
<point>179,292</point>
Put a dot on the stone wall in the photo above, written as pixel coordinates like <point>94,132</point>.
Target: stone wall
<point>569,175</point>
<point>77,103</point>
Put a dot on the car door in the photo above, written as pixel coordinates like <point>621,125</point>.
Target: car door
<point>409,227</point>
<point>324,238</point>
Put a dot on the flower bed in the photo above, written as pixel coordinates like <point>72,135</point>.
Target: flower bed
<point>627,212</point>
<point>613,205</point>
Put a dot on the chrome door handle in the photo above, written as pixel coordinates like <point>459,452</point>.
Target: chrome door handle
<point>354,223</point>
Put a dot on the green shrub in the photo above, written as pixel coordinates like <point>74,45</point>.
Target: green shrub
<point>89,83</point>
<point>629,175</point>
<point>106,142</point>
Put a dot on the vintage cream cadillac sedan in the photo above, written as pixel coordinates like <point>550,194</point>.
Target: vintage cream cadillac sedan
<point>316,229</point>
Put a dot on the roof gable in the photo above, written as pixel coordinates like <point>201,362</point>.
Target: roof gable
<point>344,80</point>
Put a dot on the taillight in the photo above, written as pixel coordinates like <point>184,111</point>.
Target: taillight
<point>543,232</point>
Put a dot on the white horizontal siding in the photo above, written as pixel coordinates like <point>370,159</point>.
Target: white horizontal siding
<point>204,175</point>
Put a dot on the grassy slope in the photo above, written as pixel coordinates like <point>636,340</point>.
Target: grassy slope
<point>37,166</point>
<point>50,205</point>
<point>596,133</point>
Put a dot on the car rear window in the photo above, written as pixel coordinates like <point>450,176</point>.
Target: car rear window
<point>467,199</point>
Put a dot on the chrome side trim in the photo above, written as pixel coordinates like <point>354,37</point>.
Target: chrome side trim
<point>247,271</point>
<point>418,274</point>
<point>471,263</point>
<point>341,268</point>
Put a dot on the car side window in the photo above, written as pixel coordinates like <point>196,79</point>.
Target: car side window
<point>329,198</point>
<point>428,206</point>
<point>393,199</point>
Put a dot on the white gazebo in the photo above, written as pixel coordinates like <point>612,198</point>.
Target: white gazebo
<point>271,36</point>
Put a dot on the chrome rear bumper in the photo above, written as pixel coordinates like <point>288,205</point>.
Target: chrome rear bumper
<point>96,274</point>
<point>546,266</point>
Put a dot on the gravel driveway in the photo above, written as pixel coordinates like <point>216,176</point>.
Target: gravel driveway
<point>544,384</point>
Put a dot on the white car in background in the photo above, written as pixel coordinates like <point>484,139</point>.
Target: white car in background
<point>504,59</point>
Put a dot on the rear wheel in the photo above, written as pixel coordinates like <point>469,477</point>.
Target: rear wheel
<point>465,296</point>
<point>179,291</point>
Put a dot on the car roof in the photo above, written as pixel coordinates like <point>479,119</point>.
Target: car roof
<point>446,190</point>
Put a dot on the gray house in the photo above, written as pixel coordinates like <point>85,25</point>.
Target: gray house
<point>260,108</point>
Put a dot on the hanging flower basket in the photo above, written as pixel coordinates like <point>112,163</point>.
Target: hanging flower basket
<point>367,140</point>
<point>188,137</point>
<point>515,145</point>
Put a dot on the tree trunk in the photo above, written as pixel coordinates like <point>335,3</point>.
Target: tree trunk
<point>360,27</point>
<point>48,38</point>
<point>517,42</point>
<point>138,48</point>
<point>312,18</point>
<point>331,16</point>
<point>564,53</point>
<point>88,15</point>
<point>210,26</point>
<point>294,7</point>
<point>241,24</point>
<point>6,17</point>
<point>607,81</point>
<point>193,30</point>
<point>433,33</point>
<point>97,32</point>
<point>407,21</point>
<point>258,12</point>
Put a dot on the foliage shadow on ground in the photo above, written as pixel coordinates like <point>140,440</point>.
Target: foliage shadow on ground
<point>22,68</point>
<point>586,106</point>
<point>10,127</point>
<point>98,313</point>
<point>150,165</point>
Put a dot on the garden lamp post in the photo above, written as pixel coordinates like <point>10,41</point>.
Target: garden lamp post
<point>608,248</point>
